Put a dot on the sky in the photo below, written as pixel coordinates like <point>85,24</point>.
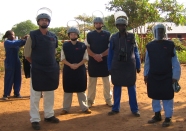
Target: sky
<point>15,11</point>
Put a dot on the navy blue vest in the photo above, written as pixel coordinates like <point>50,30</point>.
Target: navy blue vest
<point>45,69</point>
<point>123,68</point>
<point>74,80</point>
<point>159,83</point>
<point>98,44</point>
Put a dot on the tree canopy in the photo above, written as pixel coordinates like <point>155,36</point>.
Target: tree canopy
<point>142,11</point>
<point>24,28</point>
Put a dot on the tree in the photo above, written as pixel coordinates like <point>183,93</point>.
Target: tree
<point>171,11</point>
<point>109,24</point>
<point>63,34</point>
<point>139,12</point>
<point>24,28</point>
<point>87,23</point>
<point>57,32</point>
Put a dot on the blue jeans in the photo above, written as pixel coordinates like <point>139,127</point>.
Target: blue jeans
<point>167,105</point>
<point>132,98</point>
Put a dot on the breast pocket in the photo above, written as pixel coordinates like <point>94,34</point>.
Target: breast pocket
<point>53,40</point>
<point>130,45</point>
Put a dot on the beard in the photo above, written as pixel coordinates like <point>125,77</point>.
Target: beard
<point>122,31</point>
<point>98,28</point>
<point>44,26</point>
<point>74,39</point>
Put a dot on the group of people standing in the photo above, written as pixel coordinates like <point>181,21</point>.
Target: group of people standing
<point>115,55</point>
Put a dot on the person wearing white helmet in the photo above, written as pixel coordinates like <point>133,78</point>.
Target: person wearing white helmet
<point>40,51</point>
<point>74,55</point>
<point>161,70</point>
<point>123,63</point>
<point>97,42</point>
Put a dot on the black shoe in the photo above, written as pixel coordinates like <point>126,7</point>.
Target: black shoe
<point>36,126</point>
<point>113,113</point>
<point>52,119</point>
<point>17,96</point>
<point>167,122</point>
<point>5,98</point>
<point>137,114</point>
<point>154,120</point>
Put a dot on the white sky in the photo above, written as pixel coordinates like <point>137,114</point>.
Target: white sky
<point>16,11</point>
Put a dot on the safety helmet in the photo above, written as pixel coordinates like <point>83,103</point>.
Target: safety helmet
<point>120,14</point>
<point>73,30</point>
<point>121,21</point>
<point>43,16</point>
<point>155,31</point>
<point>98,20</point>
<point>158,26</point>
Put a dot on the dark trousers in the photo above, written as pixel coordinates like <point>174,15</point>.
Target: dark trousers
<point>12,78</point>
<point>132,98</point>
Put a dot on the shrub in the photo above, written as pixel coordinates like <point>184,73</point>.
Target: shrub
<point>181,56</point>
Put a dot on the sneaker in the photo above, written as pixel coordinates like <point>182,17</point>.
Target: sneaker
<point>64,112</point>
<point>36,126</point>
<point>52,119</point>
<point>154,120</point>
<point>88,111</point>
<point>17,96</point>
<point>109,103</point>
<point>137,114</point>
<point>113,113</point>
<point>5,98</point>
<point>167,122</point>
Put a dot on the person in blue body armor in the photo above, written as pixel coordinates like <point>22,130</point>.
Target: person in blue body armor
<point>74,55</point>
<point>97,42</point>
<point>12,64</point>
<point>123,63</point>
<point>40,50</point>
<point>161,70</point>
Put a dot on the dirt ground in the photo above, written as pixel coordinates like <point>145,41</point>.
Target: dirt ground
<point>14,113</point>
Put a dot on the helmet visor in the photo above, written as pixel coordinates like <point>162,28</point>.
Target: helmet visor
<point>44,10</point>
<point>159,33</point>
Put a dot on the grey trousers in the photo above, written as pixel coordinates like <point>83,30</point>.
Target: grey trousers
<point>107,93</point>
<point>67,101</point>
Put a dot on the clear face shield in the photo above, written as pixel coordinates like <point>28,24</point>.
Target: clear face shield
<point>73,24</point>
<point>120,14</point>
<point>44,10</point>
<point>159,32</point>
<point>99,14</point>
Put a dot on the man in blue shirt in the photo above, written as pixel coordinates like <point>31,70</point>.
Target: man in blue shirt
<point>161,70</point>
<point>123,63</point>
<point>12,65</point>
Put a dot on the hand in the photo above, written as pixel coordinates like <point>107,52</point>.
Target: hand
<point>25,37</point>
<point>74,66</point>
<point>98,57</point>
<point>145,79</point>
<point>173,80</point>
<point>138,70</point>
